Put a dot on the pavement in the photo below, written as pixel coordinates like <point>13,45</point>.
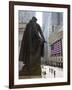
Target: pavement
<point>51,72</point>
<point>48,71</point>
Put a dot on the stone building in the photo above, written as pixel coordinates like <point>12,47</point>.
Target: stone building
<point>23,17</point>
<point>55,47</point>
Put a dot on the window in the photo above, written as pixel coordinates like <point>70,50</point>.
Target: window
<point>56,48</point>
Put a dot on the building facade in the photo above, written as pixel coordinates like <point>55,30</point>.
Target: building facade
<point>55,47</point>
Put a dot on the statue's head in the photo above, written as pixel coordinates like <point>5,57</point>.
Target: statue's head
<point>34,19</point>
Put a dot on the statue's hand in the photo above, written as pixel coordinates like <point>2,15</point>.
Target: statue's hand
<point>21,65</point>
<point>44,41</point>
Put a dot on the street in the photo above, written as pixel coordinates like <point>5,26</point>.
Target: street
<point>51,72</point>
<point>48,71</point>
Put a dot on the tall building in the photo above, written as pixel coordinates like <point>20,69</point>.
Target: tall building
<point>55,47</point>
<point>46,23</point>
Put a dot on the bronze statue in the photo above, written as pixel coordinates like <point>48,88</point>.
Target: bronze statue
<point>32,49</point>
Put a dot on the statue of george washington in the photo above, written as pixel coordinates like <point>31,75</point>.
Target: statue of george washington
<point>32,49</point>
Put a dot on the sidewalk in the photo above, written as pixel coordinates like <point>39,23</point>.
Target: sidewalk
<point>51,72</point>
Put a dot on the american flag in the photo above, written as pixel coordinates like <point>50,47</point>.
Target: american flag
<point>56,48</point>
